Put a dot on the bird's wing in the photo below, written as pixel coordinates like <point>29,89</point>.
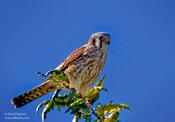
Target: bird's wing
<point>71,58</point>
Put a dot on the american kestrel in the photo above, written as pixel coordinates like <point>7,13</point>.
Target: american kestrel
<point>82,67</point>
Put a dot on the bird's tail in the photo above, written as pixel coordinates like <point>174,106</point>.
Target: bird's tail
<point>33,94</point>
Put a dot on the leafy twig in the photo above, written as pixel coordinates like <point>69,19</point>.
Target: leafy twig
<point>82,107</point>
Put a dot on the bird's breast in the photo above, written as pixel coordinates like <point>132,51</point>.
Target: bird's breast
<point>89,68</point>
<point>85,71</point>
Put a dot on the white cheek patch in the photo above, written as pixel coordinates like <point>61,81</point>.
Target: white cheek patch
<point>97,43</point>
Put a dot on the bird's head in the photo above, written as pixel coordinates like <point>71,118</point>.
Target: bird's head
<point>100,40</point>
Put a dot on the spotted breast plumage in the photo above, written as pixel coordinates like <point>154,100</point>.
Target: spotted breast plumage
<point>82,67</point>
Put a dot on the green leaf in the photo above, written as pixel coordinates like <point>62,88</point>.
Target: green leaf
<point>100,83</point>
<point>109,108</point>
<point>40,106</point>
<point>99,111</point>
<point>81,107</point>
<point>87,118</point>
<point>49,106</point>
<point>123,106</point>
<point>60,76</point>
<point>72,96</point>
<point>93,94</point>
<point>59,108</point>
<point>75,119</point>
<point>61,100</point>
<point>113,117</point>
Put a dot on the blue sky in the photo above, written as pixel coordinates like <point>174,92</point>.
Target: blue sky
<point>38,35</point>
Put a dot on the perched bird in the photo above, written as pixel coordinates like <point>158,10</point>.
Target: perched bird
<point>82,67</point>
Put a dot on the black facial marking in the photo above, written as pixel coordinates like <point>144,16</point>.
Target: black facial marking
<point>93,41</point>
<point>100,43</point>
<point>101,38</point>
